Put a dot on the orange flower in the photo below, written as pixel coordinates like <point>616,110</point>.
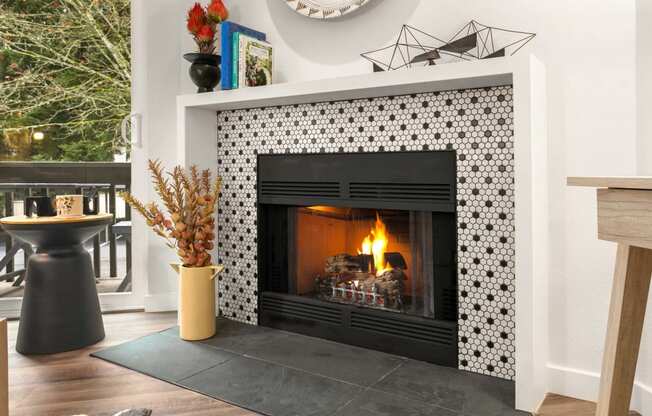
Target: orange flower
<point>196,19</point>
<point>205,34</point>
<point>217,11</point>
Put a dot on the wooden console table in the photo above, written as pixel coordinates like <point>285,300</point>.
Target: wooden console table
<point>624,217</point>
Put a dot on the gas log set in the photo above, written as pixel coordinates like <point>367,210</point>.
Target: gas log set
<point>373,278</point>
<point>348,280</point>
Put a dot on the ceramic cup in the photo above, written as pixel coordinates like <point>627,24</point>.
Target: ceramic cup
<point>70,205</point>
<point>39,206</point>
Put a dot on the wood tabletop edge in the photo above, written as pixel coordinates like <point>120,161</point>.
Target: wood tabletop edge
<point>621,182</point>
<point>24,220</point>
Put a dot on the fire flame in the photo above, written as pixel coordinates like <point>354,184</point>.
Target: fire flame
<point>376,244</point>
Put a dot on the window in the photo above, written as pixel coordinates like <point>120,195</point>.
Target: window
<point>65,78</point>
<point>65,87</point>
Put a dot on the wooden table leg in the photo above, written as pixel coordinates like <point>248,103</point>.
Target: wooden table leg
<point>4,370</point>
<point>626,315</point>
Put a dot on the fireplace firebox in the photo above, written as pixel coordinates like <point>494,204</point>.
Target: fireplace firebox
<point>362,249</point>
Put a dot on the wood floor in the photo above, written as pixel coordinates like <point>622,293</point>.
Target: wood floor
<point>74,383</point>
<point>556,405</point>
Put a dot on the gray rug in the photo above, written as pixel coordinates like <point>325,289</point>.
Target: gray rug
<point>278,373</point>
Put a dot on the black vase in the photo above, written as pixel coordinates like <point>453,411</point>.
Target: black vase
<point>205,70</point>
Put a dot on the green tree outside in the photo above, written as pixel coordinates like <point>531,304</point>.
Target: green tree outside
<point>65,76</point>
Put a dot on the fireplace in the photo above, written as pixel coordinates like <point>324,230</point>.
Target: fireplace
<point>362,249</point>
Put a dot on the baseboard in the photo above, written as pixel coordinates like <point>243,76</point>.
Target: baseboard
<point>161,302</point>
<point>585,385</point>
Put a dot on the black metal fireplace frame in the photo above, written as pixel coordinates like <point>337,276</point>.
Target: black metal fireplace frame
<point>424,181</point>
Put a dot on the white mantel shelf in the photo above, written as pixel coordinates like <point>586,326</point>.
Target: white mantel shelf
<point>197,144</point>
<point>477,74</point>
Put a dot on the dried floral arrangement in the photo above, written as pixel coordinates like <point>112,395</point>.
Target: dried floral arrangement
<point>190,199</point>
<point>202,24</point>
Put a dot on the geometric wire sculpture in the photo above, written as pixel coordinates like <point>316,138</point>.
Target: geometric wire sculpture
<point>474,41</point>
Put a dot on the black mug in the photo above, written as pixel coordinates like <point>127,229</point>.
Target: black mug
<point>40,206</point>
<point>91,205</point>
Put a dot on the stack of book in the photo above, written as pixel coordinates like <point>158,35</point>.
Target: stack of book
<point>246,57</point>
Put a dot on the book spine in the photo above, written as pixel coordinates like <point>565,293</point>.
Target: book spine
<point>235,60</point>
<point>226,45</point>
<point>235,44</point>
<point>271,68</point>
<point>242,62</point>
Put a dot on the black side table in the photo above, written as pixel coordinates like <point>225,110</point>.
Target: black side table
<point>61,309</point>
<point>123,229</point>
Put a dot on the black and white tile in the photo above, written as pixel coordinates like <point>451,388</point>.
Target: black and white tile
<point>477,123</point>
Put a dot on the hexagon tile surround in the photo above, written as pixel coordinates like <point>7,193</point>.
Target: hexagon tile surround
<point>477,123</point>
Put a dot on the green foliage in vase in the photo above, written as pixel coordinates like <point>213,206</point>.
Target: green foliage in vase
<point>65,71</point>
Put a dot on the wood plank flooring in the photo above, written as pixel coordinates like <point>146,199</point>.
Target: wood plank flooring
<point>556,405</point>
<point>74,383</point>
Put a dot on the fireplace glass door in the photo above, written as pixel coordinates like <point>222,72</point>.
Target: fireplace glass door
<point>393,260</point>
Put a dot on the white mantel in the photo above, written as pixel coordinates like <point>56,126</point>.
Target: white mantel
<point>196,144</point>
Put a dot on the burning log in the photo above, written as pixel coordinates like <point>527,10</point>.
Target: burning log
<point>374,278</point>
<point>396,260</point>
<point>363,288</point>
<point>390,284</point>
<point>342,263</point>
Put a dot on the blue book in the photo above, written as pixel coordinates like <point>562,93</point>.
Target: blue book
<point>235,61</point>
<point>226,40</point>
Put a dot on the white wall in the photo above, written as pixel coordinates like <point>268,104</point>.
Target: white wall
<point>590,51</point>
<point>157,26</point>
<point>644,80</point>
<point>644,134</point>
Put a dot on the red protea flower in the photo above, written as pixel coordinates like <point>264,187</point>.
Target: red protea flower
<point>205,34</point>
<point>217,11</point>
<point>196,18</point>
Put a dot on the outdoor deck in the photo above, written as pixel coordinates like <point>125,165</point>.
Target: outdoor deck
<point>102,181</point>
<point>105,283</point>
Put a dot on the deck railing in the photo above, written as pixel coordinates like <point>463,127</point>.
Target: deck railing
<point>19,180</point>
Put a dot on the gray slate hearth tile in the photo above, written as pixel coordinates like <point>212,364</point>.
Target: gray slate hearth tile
<point>164,357</point>
<point>466,393</point>
<point>237,337</point>
<point>272,389</point>
<point>378,403</point>
<point>330,359</point>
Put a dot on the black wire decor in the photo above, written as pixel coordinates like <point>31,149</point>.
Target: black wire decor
<point>474,41</point>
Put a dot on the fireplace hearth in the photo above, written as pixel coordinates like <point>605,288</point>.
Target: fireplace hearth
<point>362,249</point>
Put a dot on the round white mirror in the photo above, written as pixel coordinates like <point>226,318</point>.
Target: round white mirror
<point>325,9</point>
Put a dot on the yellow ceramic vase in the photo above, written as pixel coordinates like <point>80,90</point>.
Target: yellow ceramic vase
<point>197,310</point>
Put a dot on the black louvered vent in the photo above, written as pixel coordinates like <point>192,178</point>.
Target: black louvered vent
<point>300,189</point>
<point>276,276</point>
<point>422,192</point>
<point>449,303</point>
<point>301,310</point>
<point>429,332</point>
